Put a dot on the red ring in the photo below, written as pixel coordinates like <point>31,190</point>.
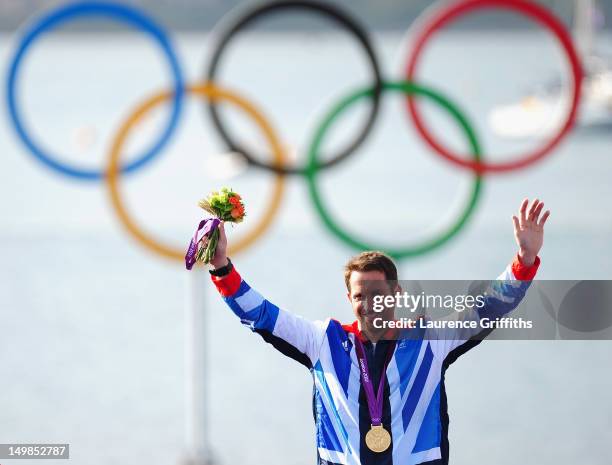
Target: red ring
<point>527,8</point>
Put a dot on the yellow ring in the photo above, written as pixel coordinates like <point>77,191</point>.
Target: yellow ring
<point>113,170</point>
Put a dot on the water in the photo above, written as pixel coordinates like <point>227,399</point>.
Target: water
<point>92,341</point>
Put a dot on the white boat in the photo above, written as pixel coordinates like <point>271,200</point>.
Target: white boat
<point>543,111</point>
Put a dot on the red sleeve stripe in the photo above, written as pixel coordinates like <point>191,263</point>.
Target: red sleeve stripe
<point>523,272</point>
<point>229,284</point>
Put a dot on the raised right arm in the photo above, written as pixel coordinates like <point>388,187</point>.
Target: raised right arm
<point>292,335</point>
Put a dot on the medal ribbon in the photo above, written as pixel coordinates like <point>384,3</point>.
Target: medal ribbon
<point>205,227</point>
<point>375,403</point>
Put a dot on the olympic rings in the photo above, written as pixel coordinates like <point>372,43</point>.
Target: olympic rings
<point>279,165</point>
<point>440,18</point>
<point>251,14</point>
<point>68,13</point>
<point>112,174</point>
<point>409,251</point>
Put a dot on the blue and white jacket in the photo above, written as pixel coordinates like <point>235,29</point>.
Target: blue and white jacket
<point>414,409</point>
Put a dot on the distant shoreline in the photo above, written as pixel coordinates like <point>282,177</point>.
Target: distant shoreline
<point>199,15</point>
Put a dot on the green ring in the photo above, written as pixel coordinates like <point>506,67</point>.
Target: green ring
<point>311,172</point>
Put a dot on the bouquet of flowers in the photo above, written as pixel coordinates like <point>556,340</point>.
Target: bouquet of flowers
<point>225,205</point>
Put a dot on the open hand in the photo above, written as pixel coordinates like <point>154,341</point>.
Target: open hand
<point>529,230</point>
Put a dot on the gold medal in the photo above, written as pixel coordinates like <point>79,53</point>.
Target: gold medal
<point>378,439</point>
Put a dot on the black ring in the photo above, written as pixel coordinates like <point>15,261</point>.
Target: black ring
<point>248,15</point>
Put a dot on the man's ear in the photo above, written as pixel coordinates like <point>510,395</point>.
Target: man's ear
<point>398,289</point>
<point>348,296</point>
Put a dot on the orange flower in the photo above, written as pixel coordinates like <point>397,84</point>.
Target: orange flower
<point>235,201</point>
<point>237,212</point>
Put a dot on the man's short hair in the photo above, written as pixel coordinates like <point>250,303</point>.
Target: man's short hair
<point>372,260</point>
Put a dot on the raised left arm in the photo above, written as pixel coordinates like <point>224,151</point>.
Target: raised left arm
<point>506,293</point>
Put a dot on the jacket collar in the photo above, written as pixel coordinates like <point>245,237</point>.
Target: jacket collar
<point>390,334</point>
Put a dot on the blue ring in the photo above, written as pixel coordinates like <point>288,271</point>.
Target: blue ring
<point>118,12</point>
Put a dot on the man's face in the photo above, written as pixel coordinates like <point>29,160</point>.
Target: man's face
<point>364,287</point>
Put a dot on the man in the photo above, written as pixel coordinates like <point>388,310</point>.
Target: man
<point>378,398</point>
